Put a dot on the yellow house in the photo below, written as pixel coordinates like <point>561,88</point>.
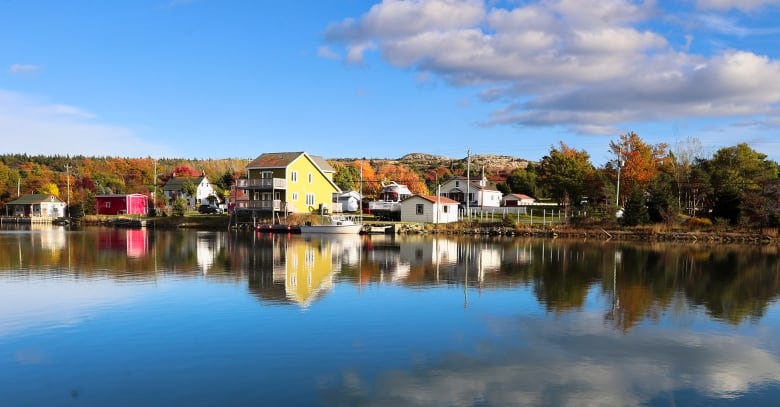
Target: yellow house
<point>292,182</point>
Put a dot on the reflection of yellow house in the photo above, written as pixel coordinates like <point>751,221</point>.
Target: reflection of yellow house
<point>309,269</point>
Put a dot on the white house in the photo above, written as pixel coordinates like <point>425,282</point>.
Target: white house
<point>43,205</point>
<point>479,191</point>
<point>203,190</point>
<point>429,209</point>
<point>517,200</point>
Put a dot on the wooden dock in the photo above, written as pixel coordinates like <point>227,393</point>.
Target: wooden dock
<point>26,220</point>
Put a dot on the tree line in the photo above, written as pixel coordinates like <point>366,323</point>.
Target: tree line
<point>647,183</point>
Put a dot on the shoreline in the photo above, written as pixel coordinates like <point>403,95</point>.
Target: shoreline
<point>648,234</point>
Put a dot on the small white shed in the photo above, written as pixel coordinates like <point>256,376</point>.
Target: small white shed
<point>429,209</point>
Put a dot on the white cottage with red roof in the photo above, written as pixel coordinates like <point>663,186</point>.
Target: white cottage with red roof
<point>429,209</point>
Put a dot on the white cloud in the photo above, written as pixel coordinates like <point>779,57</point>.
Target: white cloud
<point>326,52</point>
<point>30,125</point>
<point>23,68</point>
<point>583,64</point>
<point>743,5</point>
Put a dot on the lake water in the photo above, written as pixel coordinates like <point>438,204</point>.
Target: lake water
<point>114,317</point>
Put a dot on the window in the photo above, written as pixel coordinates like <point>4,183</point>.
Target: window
<point>311,178</point>
<point>310,199</point>
<point>295,196</point>
<point>267,175</point>
<point>257,196</point>
<point>108,204</point>
<point>266,196</point>
<point>457,184</point>
<point>446,208</point>
<point>294,176</point>
<point>420,209</point>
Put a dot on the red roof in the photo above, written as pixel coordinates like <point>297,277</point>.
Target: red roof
<point>434,199</point>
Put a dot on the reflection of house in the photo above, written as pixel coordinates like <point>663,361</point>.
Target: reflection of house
<point>479,191</point>
<point>43,205</point>
<point>429,209</point>
<point>206,249</point>
<point>517,200</point>
<point>174,188</point>
<point>309,268</point>
<point>294,182</point>
<point>132,204</point>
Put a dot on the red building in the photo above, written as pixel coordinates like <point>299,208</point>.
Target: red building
<point>132,204</point>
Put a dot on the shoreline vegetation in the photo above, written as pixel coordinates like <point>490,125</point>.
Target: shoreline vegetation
<point>650,233</point>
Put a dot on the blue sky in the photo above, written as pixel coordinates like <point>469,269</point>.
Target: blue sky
<point>380,79</point>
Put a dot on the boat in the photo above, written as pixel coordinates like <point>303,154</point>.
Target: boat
<point>337,224</point>
<point>388,207</point>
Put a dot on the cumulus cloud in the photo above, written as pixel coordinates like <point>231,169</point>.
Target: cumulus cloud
<point>589,65</point>
<point>34,126</point>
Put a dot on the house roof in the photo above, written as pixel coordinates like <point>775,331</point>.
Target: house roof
<point>283,160</point>
<point>118,195</point>
<point>176,183</point>
<point>434,199</point>
<point>30,199</point>
<point>519,196</point>
<point>489,186</point>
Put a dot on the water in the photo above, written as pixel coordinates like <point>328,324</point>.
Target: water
<point>117,317</point>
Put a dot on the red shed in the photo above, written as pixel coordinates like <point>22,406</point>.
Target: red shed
<point>132,204</point>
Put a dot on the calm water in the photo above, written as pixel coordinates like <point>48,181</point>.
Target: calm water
<point>113,317</point>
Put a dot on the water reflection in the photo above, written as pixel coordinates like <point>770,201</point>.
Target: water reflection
<point>636,282</point>
<point>397,320</point>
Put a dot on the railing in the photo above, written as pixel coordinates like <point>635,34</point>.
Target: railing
<point>275,205</point>
<point>262,183</point>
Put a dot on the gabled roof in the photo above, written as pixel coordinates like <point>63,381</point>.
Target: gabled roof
<point>434,199</point>
<point>283,160</point>
<point>176,183</point>
<point>489,186</point>
<point>519,196</point>
<point>30,199</point>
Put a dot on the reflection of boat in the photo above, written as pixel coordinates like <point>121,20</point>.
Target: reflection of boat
<point>389,204</point>
<point>334,224</point>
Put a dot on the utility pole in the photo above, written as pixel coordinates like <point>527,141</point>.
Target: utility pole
<point>154,187</point>
<point>617,192</point>
<point>468,182</point>
<point>67,174</point>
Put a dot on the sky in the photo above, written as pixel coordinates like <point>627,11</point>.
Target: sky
<point>381,79</point>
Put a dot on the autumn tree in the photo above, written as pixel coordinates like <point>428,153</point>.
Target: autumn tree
<point>566,173</point>
<point>639,160</point>
<point>402,175</point>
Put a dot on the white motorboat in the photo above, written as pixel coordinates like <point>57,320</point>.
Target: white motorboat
<point>334,224</point>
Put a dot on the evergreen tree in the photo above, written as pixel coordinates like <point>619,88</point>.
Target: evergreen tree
<point>635,212</point>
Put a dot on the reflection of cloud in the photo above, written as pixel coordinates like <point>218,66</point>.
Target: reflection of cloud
<point>51,304</point>
<point>573,362</point>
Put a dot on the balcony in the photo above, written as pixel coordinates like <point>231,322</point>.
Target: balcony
<point>262,183</point>
<point>275,205</point>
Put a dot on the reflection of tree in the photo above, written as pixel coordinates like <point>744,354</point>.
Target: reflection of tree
<point>563,275</point>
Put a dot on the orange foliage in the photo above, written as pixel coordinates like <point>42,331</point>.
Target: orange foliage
<point>402,175</point>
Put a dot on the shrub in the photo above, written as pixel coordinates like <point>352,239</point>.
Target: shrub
<point>698,222</point>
